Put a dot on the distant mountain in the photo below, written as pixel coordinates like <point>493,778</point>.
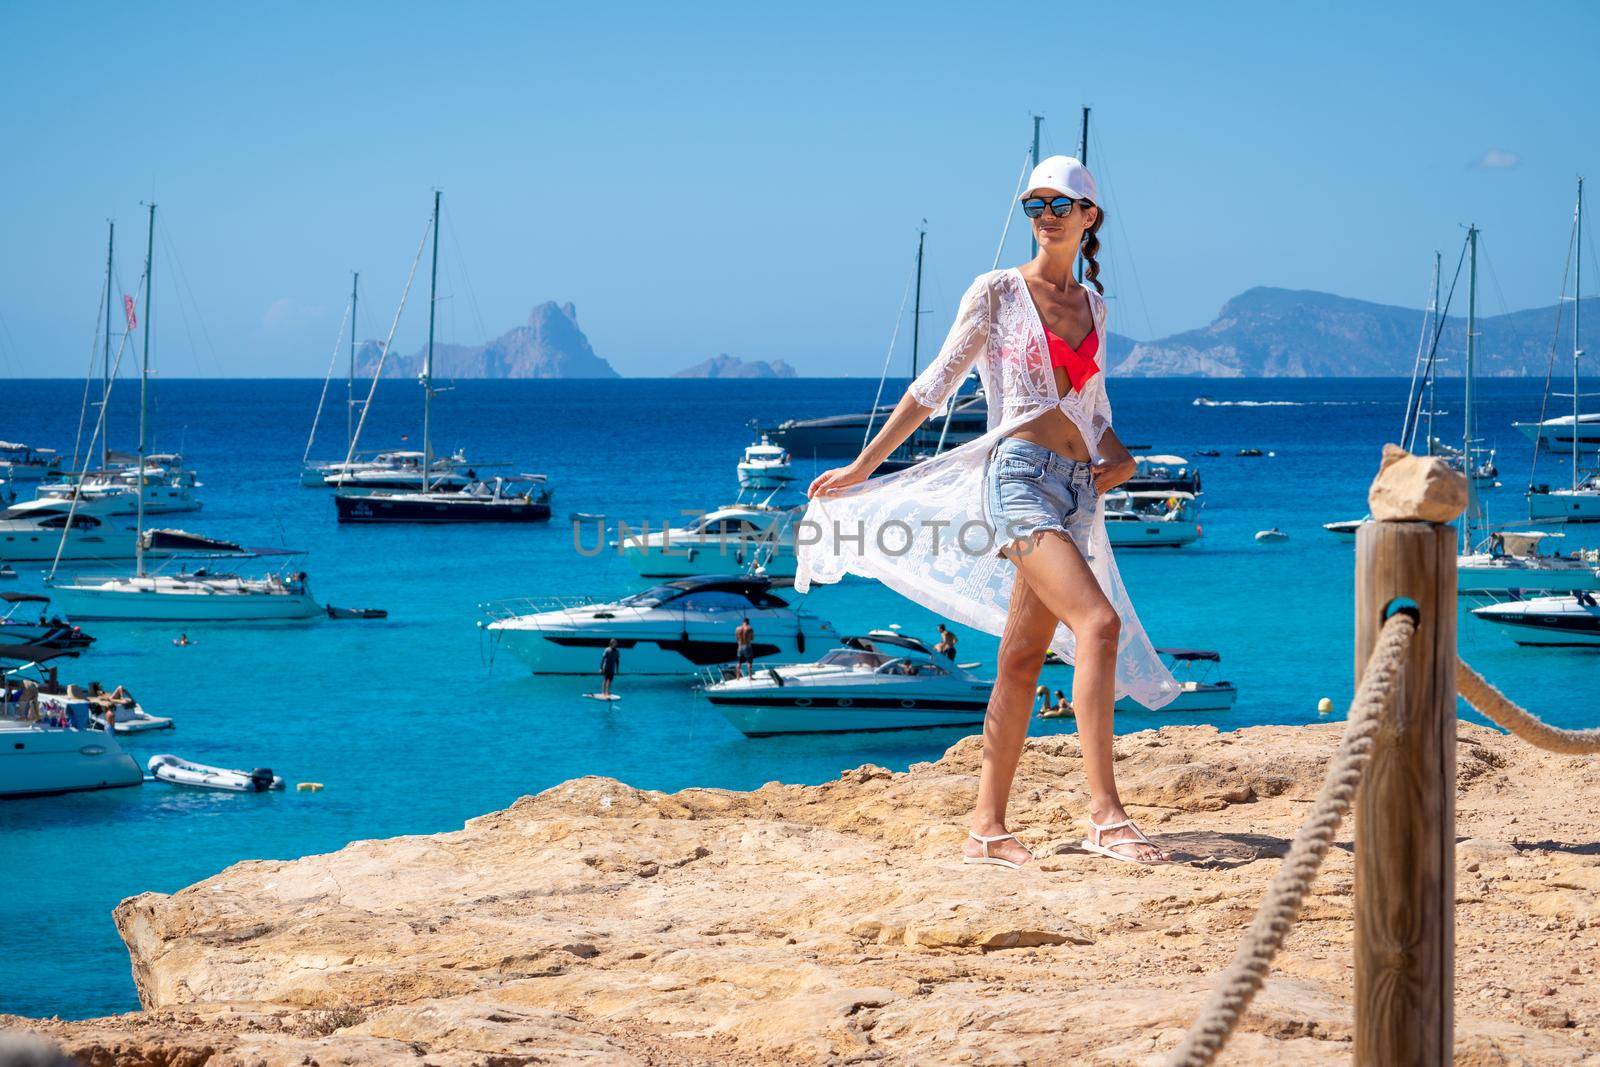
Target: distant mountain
<point>1298,333</point>
<point>550,346</point>
<point>726,366</point>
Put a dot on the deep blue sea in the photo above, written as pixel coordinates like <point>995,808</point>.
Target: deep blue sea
<point>414,729</point>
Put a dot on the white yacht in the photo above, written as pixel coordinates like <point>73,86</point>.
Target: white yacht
<point>116,492</point>
<point>1150,518</point>
<point>1556,621</point>
<point>765,466</point>
<point>20,463</point>
<point>727,539</point>
<point>76,703</point>
<point>391,470</point>
<point>1346,529</point>
<point>670,628</point>
<point>1516,561</point>
<point>31,531</point>
<point>1562,432</point>
<point>1580,503</point>
<point>881,680</point>
<point>45,752</point>
<point>188,596</point>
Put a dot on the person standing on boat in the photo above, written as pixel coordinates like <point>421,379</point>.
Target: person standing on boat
<point>745,649</point>
<point>1007,532</point>
<point>947,643</point>
<point>610,660</point>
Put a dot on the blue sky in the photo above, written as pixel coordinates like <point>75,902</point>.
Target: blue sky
<point>749,179</point>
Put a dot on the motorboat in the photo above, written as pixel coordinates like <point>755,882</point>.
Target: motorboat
<point>75,702</point>
<point>1346,529</point>
<point>764,466</point>
<point>880,680</point>
<point>841,436</point>
<point>188,596</point>
<point>400,470</point>
<point>32,531</point>
<point>44,752</point>
<point>1163,473</point>
<point>526,499</point>
<point>1552,621</point>
<point>1579,503</point>
<point>671,628</point>
<point>726,539</point>
<point>1559,434</point>
<point>1516,561</point>
<point>45,631</point>
<point>1191,667</point>
<point>116,492</point>
<point>1145,518</point>
<point>1273,536</point>
<point>21,463</point>
<point>7,572</point>
<point>175,771</point>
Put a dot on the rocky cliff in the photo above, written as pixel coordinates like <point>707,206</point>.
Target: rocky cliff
<point>600,924</point>
<point>1300,333</point>
<point>726,366</point>
<point>550,346</point>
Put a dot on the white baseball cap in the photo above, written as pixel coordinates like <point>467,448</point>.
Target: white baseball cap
<point>1064,174</point>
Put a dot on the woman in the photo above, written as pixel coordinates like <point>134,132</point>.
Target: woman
<point>1046,578</point>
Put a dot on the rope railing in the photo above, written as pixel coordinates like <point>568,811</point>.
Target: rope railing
<point>1279,909</point>
<point>1498,708</point>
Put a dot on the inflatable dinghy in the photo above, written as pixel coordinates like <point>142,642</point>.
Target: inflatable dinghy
<point>356,613</point>
<point>182,772</point>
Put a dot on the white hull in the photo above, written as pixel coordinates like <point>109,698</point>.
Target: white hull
<point>1479,575</point>
<point>1556,434</point>
<point>1581,505</point>
<point>826,716</point>
<point>655,650</point>
<point>1555,622</point>
<point>1129,533</point>
<point>33,545</point>
<point>41,761</point>
<point>1195,697</point>
<point>187,602</point>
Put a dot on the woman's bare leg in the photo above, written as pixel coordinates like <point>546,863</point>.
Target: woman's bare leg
<point>1060,579</point>
<point>1029,625</point>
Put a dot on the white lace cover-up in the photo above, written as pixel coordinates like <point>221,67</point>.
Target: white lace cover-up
<point>924,531</point>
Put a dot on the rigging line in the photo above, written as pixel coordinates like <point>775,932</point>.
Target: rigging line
<point>383,354</point>
<point>894,337</point>
<point>1011,206</point>
<point>472,296</point>
<point>1407,442</point>
<point>99,425</point>
<point>88,377</point>
<point>1555,341</point>
<point>1433,350</point>
<point>338,346</point>
<point>183,278</point>
<point>10,349</point>
<point>1122,231</point>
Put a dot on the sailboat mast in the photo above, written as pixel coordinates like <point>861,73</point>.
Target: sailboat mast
<point>1433,374</point>
<point>1577,313</point>
<point>350,381</point>
<point>144,383</point>
<point>1083,157</point>
<point>1033,245</point>
<point>427,366</point>
<point>916,308</point>
<point>1472,345</point>
<point>105,373</point>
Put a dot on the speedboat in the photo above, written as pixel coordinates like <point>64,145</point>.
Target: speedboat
<point>31,531</point>
<point>1274,536</point>
<point>838,436</point>
<point>723,540</point>
<point>192,596</point>
<point>1516,561</point>
<point>1558,621</point>
<point>1192,668</point>
<point>1151,518</point>
<point>1163,473</point>
<point>1345,529</point>
<point>171,769</point>
<point>44,632</point>
<point>20,463</point>
<point>764,466</point>
<point>44,752</point>
<point>1580,503</point>
<point>881,680</point>
<point>503,500</point>
<point>667,629</point>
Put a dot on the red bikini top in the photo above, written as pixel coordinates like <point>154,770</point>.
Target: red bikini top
<point>1079,362</point>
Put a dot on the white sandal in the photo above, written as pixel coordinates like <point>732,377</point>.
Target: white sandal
<point>1110,850</point>
<point>998,861</point>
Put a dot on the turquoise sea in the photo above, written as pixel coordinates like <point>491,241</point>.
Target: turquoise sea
<point>414,727</point>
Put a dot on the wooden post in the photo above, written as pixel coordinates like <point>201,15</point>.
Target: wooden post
<point>1405,807</point>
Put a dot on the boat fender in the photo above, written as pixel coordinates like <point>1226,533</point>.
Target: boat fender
<point>309,787</point>
<point>799,640</point>
<point>692,552</point>
<point>261,779</point>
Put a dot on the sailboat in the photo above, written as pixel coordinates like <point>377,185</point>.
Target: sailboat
<point>524,498</point>
<point>1504,561</point>
<point>1580,501</point>
<point>194,596</point>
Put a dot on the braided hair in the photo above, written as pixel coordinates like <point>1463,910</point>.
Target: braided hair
<point>1091,248</point>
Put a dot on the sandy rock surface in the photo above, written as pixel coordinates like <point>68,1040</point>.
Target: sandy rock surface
<point>597,923</point>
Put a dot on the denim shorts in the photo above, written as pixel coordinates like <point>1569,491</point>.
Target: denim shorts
<point>1030,487</point>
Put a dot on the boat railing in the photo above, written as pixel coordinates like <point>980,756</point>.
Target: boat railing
<point>512,607</point>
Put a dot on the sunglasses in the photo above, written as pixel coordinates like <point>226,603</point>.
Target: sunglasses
<point>1059,206</point>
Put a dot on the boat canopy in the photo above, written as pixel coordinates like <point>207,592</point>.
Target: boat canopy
<point>1183,655</point>
<point>1162,461</point>
<point>885,637</point>
<point>24,598</point>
